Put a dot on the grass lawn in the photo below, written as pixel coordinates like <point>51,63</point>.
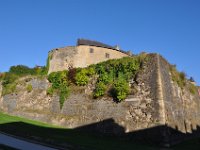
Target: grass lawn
<point>58,135</point>
<point>75,139</point>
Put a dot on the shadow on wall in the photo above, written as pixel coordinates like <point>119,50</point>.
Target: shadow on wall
<point>99,134</point>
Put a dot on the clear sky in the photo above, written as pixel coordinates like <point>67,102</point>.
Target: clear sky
<point>31,28</point>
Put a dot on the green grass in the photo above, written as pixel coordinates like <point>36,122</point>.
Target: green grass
<point>58,135</point>
<point>77,140</point>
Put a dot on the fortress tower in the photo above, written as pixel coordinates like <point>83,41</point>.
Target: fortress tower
<point>85,53</point>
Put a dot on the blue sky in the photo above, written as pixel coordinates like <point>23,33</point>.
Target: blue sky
<point>31,28</point>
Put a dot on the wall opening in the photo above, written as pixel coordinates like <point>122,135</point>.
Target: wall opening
<point>91,50</point>
<point>107,55</point>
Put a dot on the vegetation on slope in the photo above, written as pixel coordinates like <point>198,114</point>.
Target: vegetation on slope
<point>112,78</point>
<point>181,80</point>
<point>10,79</point>
<point>59,85</point>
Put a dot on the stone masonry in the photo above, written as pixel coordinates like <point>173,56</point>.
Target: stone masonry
<point>158,102</point>
<point>81,56</point>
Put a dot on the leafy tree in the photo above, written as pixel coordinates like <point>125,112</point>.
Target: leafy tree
<point>21,70</point>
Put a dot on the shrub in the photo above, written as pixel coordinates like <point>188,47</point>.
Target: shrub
<point>82,78</point>
<point>100,89</point>
<point>21,70</point>
<point>40,70</point>
<point>60,83</point>
<point>121,89</point>
<point>104,78</point>
<point>48,62</point>
<point>178,77</point>
<point>58,78</point>
<point>9,88</point>
<point>64,93</point>
<point>193,89</point>
<point>29,88</point>
<point>50,91</point>
<point>9,78</point>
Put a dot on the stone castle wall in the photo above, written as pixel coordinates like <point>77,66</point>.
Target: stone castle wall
<point>80,56</point>
<point>138,111</point>
<point>158,102</point>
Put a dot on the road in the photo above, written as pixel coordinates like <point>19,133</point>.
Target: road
<point>21,144</point>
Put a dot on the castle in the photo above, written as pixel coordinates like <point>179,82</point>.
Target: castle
<point>85,53</point>
<point>159,111</point>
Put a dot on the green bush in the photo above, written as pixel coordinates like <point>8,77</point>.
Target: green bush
<point>82,78</point>
<point>9,88</point>
<point>121,89</point>
<point>60,84</point>
<point>29,88</point>
<point>9,78</point>
<point>178,77</point>
<point>193,89</point>
<point>100,89</point>
<point>48,63</point>
<point>105,78</point>
<point>58,78</point>
<point>64,93</point>
<point>21,70</point>
<point>50,91</point>
<point>40,70</point>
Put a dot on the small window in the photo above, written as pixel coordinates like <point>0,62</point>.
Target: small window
<point>107,55</point>
<point>91,50</point>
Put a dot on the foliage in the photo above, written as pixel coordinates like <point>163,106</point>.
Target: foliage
<point>82,77</point>
<point>100,89</point>
<point>64,93</point>
<point>60,84</point>
<point>117,72</point>
<point>50,91</point>
<point>29,88</point>
<point>178,77</point>
<point>21,70</point>
<point>9,83</point>
<point>121,89</point>
<point>9,88</point>
<point>40,70</point>
<point>109,73</point>
<point>192,88</point>
<point>48,62</point>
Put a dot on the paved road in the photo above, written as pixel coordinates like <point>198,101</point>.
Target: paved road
<point>21,144</point>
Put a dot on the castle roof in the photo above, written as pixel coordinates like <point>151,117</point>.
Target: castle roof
<point>93,43</point>
<point>99,44</point>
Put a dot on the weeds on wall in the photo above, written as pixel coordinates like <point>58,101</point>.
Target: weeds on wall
<point>60,85</point>
<point>29,88</point>
<point>178,77</point>
<point>181,80</point>
<point>113,78</point>
<point>48,62</point>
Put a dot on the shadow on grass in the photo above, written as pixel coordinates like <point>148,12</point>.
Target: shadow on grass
<point>103,135</point>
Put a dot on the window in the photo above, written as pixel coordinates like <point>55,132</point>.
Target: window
<point>91,50</point>
<point>107,55</point>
